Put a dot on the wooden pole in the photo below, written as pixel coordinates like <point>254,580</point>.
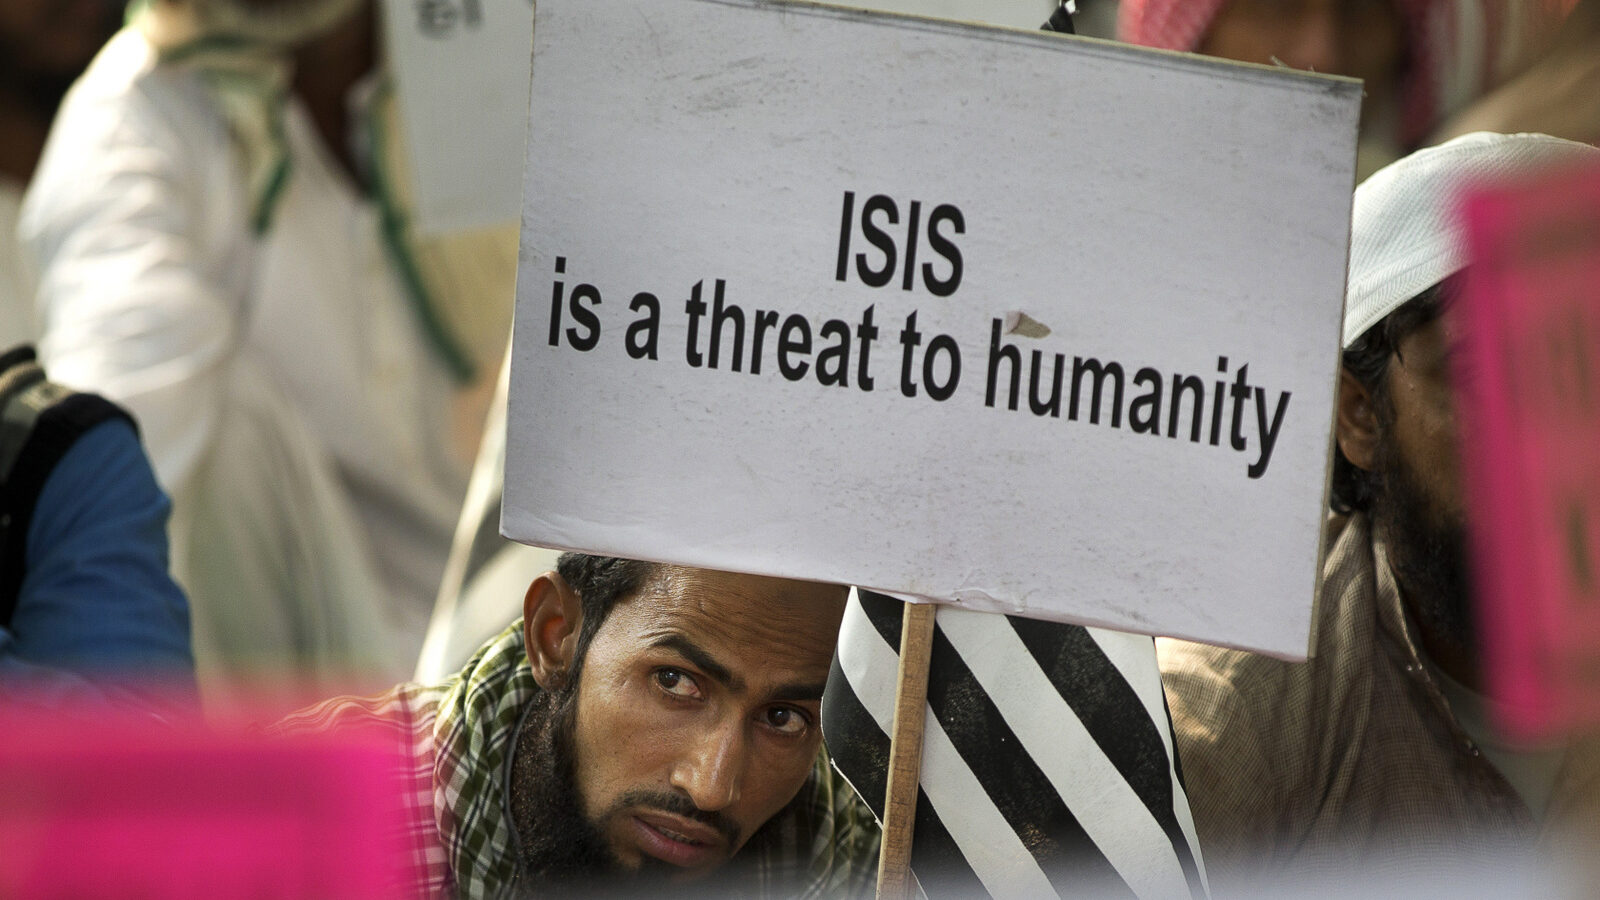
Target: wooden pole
<point>905,753</point>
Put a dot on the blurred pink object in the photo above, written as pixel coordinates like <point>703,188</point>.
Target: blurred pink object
<point>1530,412</point>
<point>98,804</point>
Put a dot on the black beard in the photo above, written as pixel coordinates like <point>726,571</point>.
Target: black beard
<point>1428,555</point>
<point>558,847</point>
<point>560,851</point>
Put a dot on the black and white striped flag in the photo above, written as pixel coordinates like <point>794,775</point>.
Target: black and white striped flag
<point>1047,762</point>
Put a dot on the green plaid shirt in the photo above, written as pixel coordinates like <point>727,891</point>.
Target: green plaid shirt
<point>459,735</point>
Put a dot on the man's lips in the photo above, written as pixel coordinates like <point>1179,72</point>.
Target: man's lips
<point>677,840</point>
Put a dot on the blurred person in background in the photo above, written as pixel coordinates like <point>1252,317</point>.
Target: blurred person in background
<point>87,609</point>
<point>1379,753</point>
<point>44,44</point>
<point>1421,60</point>
<point>1559,95</point>
<point>224,245</point>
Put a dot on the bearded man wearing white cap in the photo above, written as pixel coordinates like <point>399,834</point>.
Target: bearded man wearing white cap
<point>1378,750</point>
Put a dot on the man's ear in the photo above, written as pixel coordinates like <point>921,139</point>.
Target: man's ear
<point>1357,423</point>
<point>552,617</point>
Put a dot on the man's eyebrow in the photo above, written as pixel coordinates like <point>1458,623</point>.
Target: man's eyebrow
<point>701,659</point>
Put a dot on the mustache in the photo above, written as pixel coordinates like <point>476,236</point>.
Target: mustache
<point>679,805</point>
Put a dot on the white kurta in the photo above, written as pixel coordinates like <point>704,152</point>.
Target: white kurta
<point>284,384</point>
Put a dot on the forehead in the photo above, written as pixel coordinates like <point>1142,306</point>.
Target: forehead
<point>776,623</point>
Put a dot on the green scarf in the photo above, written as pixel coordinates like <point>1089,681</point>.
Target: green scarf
<point>474,738</point>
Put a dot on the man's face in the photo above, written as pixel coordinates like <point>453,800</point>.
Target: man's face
<point>696,717</point>
<point>1358,38</point>
<point>1423,430</point>
<point>1420,505</point>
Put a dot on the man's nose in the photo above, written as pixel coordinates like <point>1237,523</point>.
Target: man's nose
<point>710,773</point>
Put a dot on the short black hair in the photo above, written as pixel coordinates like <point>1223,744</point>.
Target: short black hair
<point>1367,359</point>
<point>600,581</point>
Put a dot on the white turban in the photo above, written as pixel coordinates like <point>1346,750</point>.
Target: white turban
<point>1406,234</point>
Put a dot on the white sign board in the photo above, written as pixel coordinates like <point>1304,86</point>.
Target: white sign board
<point>1012,13</point>
<point>1010,320</point>
<point>461,73</point>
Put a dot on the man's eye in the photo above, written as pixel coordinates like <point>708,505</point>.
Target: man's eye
<point>677,682</point>
<point>787,720</point>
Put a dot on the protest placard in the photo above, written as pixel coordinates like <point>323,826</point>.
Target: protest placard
<point>1012,13</point>
<point>1025,323</point>
<point>1530,379</point>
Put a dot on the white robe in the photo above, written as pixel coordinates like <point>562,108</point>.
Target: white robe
<point>284,385</point>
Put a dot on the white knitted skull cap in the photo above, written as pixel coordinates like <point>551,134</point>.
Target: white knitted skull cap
<point>1405,234</point>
